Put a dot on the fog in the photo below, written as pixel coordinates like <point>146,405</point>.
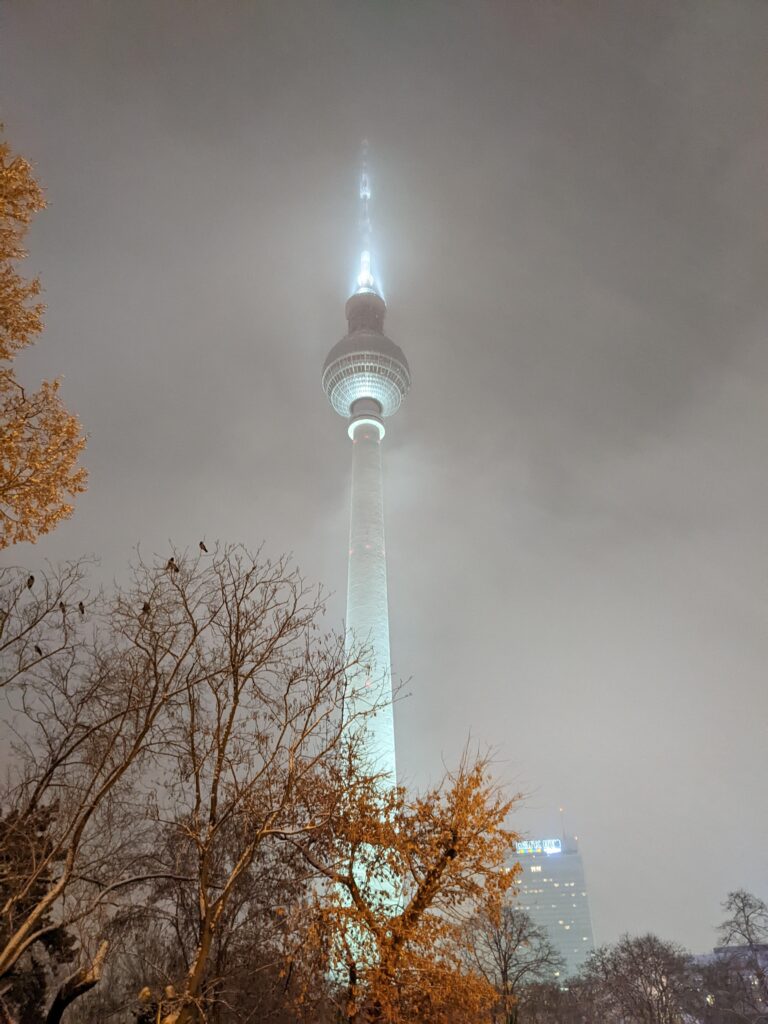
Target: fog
<point>570,217</point>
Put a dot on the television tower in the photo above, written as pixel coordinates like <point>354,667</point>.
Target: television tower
<point>366,377</point>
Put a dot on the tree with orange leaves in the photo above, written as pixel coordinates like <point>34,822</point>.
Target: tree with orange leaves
<point>403,875</point>
<point>40,441</point>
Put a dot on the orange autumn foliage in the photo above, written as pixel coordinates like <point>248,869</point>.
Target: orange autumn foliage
<point>40,441</point>
<point>404,875</point>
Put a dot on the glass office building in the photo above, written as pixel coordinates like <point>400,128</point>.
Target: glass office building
<point>552,889</point>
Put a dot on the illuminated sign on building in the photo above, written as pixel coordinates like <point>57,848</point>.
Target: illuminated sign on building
<point>547,846</point>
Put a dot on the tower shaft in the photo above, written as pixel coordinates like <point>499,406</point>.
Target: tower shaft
<point>367,609</point>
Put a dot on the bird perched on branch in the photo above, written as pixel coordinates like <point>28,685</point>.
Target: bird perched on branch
<point>145,608</point>
<point>30,582</point>
<point>81,607</point>
<point>203,548</point>
<point>171,564</point>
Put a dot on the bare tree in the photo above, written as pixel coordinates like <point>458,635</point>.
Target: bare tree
<point>84,721</point>
<point>549,1003</point>
<point>739,974</point>
<point>748,921</point>
<point>639,980</point>
<point>81,739</point>
<point>77,984</point>
<point>513,954</point>
<point>262,711</point>
<point>168,742</point>
<point>43,617</point>
<point>152,943</point>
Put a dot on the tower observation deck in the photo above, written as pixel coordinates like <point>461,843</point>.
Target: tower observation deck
<point>366,377</point>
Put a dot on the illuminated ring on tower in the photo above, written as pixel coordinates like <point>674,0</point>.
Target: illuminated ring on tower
<point>366,421</point>
<point>366,365</point>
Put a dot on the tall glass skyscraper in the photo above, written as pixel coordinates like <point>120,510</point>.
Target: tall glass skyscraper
<point>553,891</point>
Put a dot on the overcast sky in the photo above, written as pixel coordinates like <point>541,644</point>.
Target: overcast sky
<point>570,207</point>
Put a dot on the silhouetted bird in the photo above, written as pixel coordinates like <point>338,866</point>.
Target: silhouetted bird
<point>203,548</point>
<point>171,564</point>
<point>63,608</point>
<point>145,608</point>
<point>38,651</point>
<point>81,607</point>
<point>30,582</point>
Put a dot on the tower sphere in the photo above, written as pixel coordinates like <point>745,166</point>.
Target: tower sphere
<point>366,364</point>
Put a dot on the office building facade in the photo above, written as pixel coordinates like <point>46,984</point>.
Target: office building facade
<point>553,890</point>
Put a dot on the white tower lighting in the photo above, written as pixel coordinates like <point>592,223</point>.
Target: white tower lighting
<point>366,377</point>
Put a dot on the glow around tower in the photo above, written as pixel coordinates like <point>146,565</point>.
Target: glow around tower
<point>366,377</point>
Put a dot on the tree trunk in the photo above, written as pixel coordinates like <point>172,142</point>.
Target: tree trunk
<point>5,1014</point>
<point>351,1013</point>
<point>76,985</point>
<point>189,1012</point>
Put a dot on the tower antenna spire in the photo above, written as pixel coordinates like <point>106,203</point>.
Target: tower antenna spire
<point>365,279</point>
